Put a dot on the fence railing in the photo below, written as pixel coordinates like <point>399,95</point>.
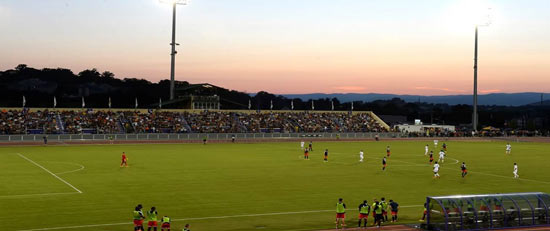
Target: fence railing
<point>192,136</point>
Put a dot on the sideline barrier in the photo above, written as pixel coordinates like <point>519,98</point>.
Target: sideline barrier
<point>193,136</point>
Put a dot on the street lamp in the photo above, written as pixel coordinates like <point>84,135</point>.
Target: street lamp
<point>474,117</point>
<point>173,43</point>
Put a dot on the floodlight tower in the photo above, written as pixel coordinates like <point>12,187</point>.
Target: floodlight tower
<point>474,117</point>
<point>173,43</point>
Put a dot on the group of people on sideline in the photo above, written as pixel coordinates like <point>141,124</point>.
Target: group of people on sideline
<point>378,209</point>
<point>152,220</point>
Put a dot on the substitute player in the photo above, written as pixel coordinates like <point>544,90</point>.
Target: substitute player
<point>325,158</point>
<point>436,170</point>
<point>124,160</point>
<point>340,213</point>
<point>425,212</point>
<point>138,218</point>
<point>165,223</point>
<point>441,156</point>
<point>508,148</point>
<point>394,209</point>
<point>384,164</point>
<point>388,152</point>
<point>152,216</point>
<point>361,156</point>
<point>384,209</point>
<point>464,169</point>
<point>306,154</point>
<point>516,170</point>
<point>364,210</point>
<point>377,212</point>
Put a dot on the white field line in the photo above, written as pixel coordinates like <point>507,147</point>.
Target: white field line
<point>200,218</point>
<point>48,171</point>
<point>69,163</point>
<point>38,194</point>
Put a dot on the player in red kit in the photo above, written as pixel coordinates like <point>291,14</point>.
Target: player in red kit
<point>124,160</point>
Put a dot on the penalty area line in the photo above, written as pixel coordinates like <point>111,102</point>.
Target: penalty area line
<point>37,195</point>
<point>199,218</point>
<point>51,173</point>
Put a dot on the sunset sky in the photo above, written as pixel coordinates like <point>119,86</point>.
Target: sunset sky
<point>291,46</point>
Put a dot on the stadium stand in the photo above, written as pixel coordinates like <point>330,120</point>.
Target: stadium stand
<point>194,121</point>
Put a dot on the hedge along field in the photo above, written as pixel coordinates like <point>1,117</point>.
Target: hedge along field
<point>240,186</point>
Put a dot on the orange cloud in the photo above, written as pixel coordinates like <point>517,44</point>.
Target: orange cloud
<point>349,88</point>
<point>439,89</point>
<point>490,91</point>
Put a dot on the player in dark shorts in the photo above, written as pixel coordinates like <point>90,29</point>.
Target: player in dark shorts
<point>384,164</point>
<point>232,138</point>
<point>394,207</point>
<point>464,169</point>
<point>310,146</point>
<point>384,209</point>
<point>431,157</point>
<point>45,139</point>
<point>388,152</point>
<point>378,217</point>
<point>425,212</point>
<point>325,158</point>
<point>364,210</point>
<point>204,140</point>
<point>444,147</point>
<point>306,154</point>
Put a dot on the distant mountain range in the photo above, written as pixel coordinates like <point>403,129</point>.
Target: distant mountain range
<point>502,99</point>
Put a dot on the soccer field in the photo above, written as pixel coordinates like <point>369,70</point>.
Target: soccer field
<point>253,186</point>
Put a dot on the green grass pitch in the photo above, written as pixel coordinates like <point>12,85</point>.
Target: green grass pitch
<point>228,186</point>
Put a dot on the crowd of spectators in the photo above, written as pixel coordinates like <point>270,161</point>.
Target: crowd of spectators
<point>108,122</point>
<point>20,122</point>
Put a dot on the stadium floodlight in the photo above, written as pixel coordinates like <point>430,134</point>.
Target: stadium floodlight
<point>475,117</point>
<point>173,44</point>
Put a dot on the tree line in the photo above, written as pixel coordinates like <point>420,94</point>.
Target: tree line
<point>40,86</point>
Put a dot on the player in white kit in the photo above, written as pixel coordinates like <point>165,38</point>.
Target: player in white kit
<point>435,143</point>
<point>302,144</point>
<point>426,150</point>
<point>436,170</point>
<point>516,170</point>
<point>361,156</point>
<point>441,156</point>
<point>508,148</point>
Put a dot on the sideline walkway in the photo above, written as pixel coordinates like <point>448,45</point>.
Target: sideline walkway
<point>388,228</point>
